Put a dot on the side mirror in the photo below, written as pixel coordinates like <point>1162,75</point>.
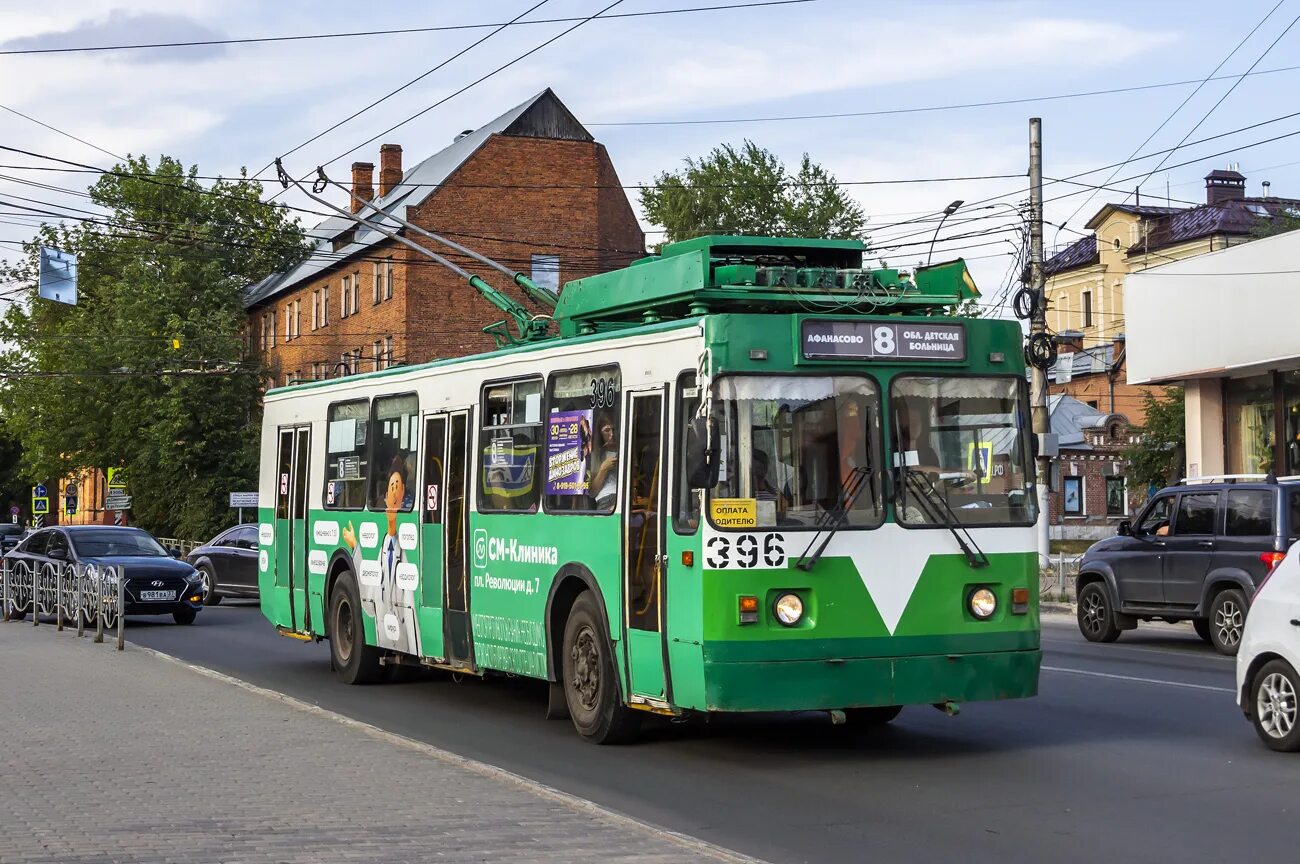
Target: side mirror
<point>175,551</point>
<point>702,449</point>
<point>1124,529</point>
<point>57,554</point>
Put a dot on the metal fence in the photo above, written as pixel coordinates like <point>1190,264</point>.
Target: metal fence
<point>89,596</point>
<point>1056,581</point>
<point>185,547</point>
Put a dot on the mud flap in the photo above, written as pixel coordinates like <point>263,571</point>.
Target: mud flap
<point>557,708</point>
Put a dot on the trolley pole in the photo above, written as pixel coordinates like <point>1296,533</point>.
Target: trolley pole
<point>1038,324</point>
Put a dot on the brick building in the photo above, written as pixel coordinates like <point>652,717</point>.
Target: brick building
<point>532,189</point>
<point>1089,490</point>
<point>1096,376</point>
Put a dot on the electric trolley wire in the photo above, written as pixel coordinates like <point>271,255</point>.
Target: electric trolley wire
<point>61,132</point>
<point>400,31</point>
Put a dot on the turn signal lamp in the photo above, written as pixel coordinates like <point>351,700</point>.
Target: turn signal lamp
<point>688,558</point>
<point>748,610</point>
<point>1019,601</point>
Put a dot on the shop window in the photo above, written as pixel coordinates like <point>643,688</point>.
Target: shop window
<point>347,455</point>
<point>582,440</point>
<point>509,443</point>
<point>1248,410</point>
<point>1116,496</point>
<point>1072,496</point>
<point>1291,421</point>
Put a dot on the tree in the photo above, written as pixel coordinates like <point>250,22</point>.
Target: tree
<point>1282,222</point>
<point>1157,457</point>
<point>750,191</point>
<point>151,369</point>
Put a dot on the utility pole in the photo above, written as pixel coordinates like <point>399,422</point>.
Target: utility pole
<point>1038,324</point>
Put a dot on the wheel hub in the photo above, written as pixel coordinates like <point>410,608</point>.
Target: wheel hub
<point>1276,705</point>
<point>1228,621</point>
<point>586,669</point>
<point>343,630</point>
<point>1093,613</point>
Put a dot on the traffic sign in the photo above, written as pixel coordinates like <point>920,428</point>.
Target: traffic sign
<point>14,510</point>
<point>117,500</point>
<point>117,478</point>
<point>41,505</point>
<point>243,499</point>
<point>39,492</point>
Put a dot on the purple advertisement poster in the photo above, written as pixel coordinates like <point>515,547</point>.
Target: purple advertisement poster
<point>568,452</point>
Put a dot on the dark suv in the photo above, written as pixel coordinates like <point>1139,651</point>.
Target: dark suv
<point>1197,551</point>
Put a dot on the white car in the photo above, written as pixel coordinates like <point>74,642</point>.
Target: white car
<point>1268,686</point>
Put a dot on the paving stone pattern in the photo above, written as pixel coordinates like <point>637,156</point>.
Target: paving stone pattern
<point>127,757</point>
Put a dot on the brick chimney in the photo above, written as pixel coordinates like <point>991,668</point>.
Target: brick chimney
<point>1224,186</point>
<point>1069,341</point>
<point>390,167</point>
<point>363,183</point>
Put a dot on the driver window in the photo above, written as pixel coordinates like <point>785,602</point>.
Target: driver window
<point>58,543</point>
<point>36,543</point>
<point>1156,520</point>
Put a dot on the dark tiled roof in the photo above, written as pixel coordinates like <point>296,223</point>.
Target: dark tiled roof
<point>1237,216</point>
<point>1078,254</point>
<point>1144,210</point>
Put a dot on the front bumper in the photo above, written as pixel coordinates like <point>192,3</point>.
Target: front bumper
<point>808,685</point>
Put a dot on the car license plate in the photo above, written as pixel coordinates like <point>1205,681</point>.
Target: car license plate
<point>157,595</point>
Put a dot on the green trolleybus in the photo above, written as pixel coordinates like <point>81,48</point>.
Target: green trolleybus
<point>745,474</point>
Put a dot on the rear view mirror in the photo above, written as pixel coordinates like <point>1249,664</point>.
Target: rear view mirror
<point>1124,529</point>
<point>702,449</point>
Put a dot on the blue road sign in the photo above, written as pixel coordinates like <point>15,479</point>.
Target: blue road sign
<point>39,492</point>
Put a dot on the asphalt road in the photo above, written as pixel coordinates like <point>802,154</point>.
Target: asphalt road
<point>1132,751</point>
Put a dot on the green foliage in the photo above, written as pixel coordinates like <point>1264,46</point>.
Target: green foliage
<point>1279,224</point>
<point>1157,458</point>
<point>15,484</point>
<point>151,369</point>
<point>750,191</point>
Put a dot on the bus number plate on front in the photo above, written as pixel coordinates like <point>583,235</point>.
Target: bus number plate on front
<point>744,551</point>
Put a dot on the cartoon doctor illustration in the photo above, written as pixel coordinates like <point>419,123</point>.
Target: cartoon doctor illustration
<point>387,588</point>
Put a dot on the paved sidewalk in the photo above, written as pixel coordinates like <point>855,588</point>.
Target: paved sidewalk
<point>130,757</point>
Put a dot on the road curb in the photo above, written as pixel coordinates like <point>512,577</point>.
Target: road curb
<point>1057,608</point>
<point>693,845</point>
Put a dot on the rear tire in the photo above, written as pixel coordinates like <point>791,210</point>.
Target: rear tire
<point>1274,710</point>
<point>1227,621</point>
<point>1096,617</point>
<point>210,595</point>
<point>590,684</point>
<point>353,660</point>
<point>874,716</point>
<point>1202,628</point>
<point>185,616</point>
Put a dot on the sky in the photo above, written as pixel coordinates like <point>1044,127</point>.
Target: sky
<point>224,107</point>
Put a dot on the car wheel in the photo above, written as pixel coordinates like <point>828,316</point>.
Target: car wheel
<point>876,716</point>
<point>1096,618</point>
<point>210,595</point>
<point>1227,621</point>
<point>353,660</point>
<point>185,616</point>
<point>590,686</point>
<point>1202,628</point>
<point>1274,697</point>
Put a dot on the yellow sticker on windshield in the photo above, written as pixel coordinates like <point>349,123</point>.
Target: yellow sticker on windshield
<point>979,458</point>
<point>734,512</point>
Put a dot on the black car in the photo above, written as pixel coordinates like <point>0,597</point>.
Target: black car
<point>10,536</point>
<point>154,582</point>
<point>1196,552</point>
<point>228,564</point>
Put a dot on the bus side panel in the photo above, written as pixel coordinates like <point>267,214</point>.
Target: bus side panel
<point>685,621</point>
<point>272,590</point>
<point>513,559</point>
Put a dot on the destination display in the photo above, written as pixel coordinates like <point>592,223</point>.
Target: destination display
<point>883,340</point>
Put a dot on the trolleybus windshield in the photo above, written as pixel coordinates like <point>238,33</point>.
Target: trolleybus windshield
<point>961,451</point>
<point>792,447</point>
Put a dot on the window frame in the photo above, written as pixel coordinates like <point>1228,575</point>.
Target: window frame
<point>388,278</point>
<point>1082,511</point>
<point>681,487</point>
<point>477,461</point>
<point>618,437</point>
<point>1123,480</point>
<point>325,478</point>
<point>1085,298</point>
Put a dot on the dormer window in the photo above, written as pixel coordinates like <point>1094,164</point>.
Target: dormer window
<point>343,239</point>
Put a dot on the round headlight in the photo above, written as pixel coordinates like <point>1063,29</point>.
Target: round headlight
<point>788,609</point>
<point>983,603</point>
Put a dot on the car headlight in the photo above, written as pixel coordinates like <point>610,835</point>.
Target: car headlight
<point>194,576</point>
<point>788,609</point>
<point>983,603</point>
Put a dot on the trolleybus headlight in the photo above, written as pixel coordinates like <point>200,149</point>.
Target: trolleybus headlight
<point>982,603</point>
<point>788,609</point>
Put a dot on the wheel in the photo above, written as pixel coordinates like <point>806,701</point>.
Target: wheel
<point>1096,618</point>
<point>1202,628</point>
<point>210,595</point>
<point>875,716</point>
<point>1227,620</point>
<point>590,686</point>
<point>353,660</point>
<point>185,616</point>
<point>1274,697</point>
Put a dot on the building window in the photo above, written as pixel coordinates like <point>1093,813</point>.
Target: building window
<point>378,282</point>
<point>378,348</point>
<point>388,278</point>
<point>1063,307</point>
<point>546,272</point>
<point>356,292</point>
<point>510,439</point>
<point>324,304</point>
<point>1116,496</point>
<point>261,333</point>
<point>1248,410</point>
<point>315,310</point>
<point>1291,420</point>
<point>388,350</point>
<point>1087,308</point>
<point>297,318</point>
<point>1072,496</point>
<point>1091,403</point>
<point>345,302</point>
<point>272,328</point>
<point>288,321</point>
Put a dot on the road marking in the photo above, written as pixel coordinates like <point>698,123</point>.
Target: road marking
<point>697,847</point>
<point>1137,680</point>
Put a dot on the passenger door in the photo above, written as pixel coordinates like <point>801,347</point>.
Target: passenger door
<point>444,586</point>
<point>291,540</point>
<point>1138,559</point>
<point>243,558</point>
<point>1189,549</point>
<point>643,486</point>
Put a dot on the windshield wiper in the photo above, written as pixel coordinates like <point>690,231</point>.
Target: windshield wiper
<point>832,520</point>
<point>935,506</point>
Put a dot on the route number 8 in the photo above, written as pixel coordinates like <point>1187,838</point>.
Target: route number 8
<point>882,341</point>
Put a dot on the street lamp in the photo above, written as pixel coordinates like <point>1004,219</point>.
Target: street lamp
<point>947,211</point>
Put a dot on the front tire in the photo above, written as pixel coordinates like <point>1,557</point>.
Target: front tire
<point>210,595</point>
<point>353,660</point>
<point>590,685</point>
<point>1227,621</point>
<point>1096,617</point>
<point>185,616</point>
<point>1276,707</point>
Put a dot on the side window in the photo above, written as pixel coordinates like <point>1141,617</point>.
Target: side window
<point>36,543</point>
<point>58,543</point>
<point>394,429</point>
<point>508,446</point>
<point>686,501</point>
<point>1293,529</point>
<point>346,455</point>
<point>1249,513</point>
<point>1157,516</point>
<point>230,538</point>
<point>1196,513</point>
<point>582,440</point>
